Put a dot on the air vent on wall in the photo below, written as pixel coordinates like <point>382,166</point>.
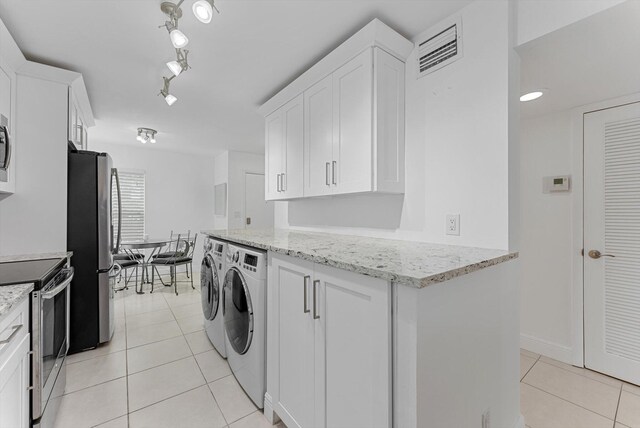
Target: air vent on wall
<point>439,47</point>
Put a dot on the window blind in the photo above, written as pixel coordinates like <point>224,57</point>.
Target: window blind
<point>132,194</point>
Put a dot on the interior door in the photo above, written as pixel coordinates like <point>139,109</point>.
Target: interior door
<point>318,142</point>
<point>352,163</point>
<point>258,212</point>
<point>612,241</point>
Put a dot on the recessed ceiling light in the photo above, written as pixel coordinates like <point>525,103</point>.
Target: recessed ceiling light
<point>531,96</point>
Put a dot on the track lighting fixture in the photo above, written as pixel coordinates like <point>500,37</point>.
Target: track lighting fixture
<point>203,11</point>
<point>170,99</point>
<point>146,135</point>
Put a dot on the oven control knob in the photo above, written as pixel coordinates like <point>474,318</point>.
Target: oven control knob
<point>236,257</point>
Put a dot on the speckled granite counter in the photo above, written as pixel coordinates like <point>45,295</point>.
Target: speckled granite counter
<point>11,295</point>
<point>415,264</point>
<point>40,256</point>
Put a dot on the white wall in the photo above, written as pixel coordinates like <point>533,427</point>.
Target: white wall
<point>230,168</point>
<point>221,176</point>
<point>457,123</point>
<point>34,219</point>
<point>539,17</point>
<point>546,236</point>
<point>179,188</point>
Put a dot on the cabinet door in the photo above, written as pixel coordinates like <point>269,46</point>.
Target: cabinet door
<point>14,383</point>
<point>318,142</point>
<point>294,339</point>
<point>353,349</point>
<point>352,123</point>
<point>292,179</point>
<point>273,154</point>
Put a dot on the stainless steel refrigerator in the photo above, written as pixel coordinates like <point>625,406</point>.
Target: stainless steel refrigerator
<point>93,239</point>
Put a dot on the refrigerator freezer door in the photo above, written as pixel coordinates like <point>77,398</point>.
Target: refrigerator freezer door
<point>105,258</point>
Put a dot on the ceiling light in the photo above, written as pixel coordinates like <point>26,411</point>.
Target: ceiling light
<point>146,135</point>
<point>170,99</point>
<point>175,67</point>
<point>180,64</point>
<point>531,96</point>
<point>178,38</point>
<point>203,10</point>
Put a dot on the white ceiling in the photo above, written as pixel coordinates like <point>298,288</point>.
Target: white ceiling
<point>592,60</point>
<point>249,52</point>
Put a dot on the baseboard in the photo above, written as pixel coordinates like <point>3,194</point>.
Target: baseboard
<point>268,410</point>
<point>519,422</point>
<point>546,348</point>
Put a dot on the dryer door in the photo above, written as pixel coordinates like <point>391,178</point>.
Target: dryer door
<point>238,311</point>
<point>210,288</point>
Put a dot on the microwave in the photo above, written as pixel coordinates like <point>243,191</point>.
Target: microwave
<point>5,143</point>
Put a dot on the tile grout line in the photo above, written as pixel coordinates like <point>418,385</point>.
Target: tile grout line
<point>530,368</point>
<point>567,401</point>
<point>615,417</point>
<point>583,375</point>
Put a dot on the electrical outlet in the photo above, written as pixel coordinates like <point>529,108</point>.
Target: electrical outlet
<point>453,224</point>
<point>486,419</point>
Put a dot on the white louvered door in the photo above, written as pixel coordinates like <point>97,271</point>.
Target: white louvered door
<point>612,241</point>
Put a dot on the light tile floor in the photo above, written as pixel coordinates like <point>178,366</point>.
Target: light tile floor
<point>558,395</point>
<point>159,370</point>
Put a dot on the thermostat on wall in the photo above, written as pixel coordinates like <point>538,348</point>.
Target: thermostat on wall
<point>559,183</point>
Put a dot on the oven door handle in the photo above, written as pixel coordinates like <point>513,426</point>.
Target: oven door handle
<point>52,293</point>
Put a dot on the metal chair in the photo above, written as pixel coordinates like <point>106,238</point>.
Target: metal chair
<point>124,266</point>
<point>174,252</point>
<point>183,256</point>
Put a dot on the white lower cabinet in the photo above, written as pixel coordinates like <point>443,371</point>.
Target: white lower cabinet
<point>15,344</point>
<point>329,344</point>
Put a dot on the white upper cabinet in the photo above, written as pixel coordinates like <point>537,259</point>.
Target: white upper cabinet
<point>318,138</point>
<point>283,151</point>
<point>351,169</point>
<point>352,122</point>
<point>78,130</point>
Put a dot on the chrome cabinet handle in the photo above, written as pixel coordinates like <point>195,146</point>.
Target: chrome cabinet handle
<point>278,183</point>
<point>595,254</point>
<point>306,300</point>
<point>326,174</point>
<point>284,182</point>
<point>316,315</point>
<point>16,329</point>
<point>333,172</point>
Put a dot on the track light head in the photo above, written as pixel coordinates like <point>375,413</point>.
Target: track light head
<point>203,10</point>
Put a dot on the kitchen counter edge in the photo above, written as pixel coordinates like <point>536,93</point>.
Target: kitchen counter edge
<point>410,281</point>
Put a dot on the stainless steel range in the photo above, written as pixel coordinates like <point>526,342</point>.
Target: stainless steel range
<point>50,344</point>
<point>49,330</point>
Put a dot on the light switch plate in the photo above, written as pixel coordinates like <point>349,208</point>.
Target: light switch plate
<point>453,224</point>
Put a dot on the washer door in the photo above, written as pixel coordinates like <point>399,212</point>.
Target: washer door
<point>210,288</point>
<point>238,311</point>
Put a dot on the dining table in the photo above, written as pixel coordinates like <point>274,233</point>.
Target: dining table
<point>137,247</point>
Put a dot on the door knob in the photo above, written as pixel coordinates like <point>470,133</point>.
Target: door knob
<point>595,254</point>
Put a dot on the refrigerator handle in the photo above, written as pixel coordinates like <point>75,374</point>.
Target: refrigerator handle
<point>114,173</point>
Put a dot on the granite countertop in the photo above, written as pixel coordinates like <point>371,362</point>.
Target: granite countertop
<point>414,264</point>
<point>40,256</point>
<point>11,295</point>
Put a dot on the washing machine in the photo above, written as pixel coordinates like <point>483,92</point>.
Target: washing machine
<point>211,278</point>
<point>245,297</point>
